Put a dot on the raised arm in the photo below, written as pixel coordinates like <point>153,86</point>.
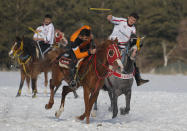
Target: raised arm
<point>115,20</point>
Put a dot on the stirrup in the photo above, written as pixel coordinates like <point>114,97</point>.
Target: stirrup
<point>73,85</point>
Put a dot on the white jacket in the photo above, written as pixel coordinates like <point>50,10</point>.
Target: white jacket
<point>122,31</point>
<point>47,33</point>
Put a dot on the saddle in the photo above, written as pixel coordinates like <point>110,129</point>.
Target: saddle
<point>65,60</point>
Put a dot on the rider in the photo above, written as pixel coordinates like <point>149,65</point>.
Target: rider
<point>45,35</point>
<point>82,45</point>
<point>123,29</point>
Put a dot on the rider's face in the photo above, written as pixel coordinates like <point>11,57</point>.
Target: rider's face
<point>47,21</point>
<point>84,38</point>
<point>131,20</point>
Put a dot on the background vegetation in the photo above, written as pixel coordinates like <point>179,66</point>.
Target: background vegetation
<point>163,22</point>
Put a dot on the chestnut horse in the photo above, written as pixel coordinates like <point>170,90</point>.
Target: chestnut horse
<point>91,76</point>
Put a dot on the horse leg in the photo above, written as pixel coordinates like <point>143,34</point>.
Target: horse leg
<point>86,102</point>
<point>28,84</point>
<point>92,100</point>
<point>110,109</point>
<point>115,105</point>
<point>51,100</point>
<point>124,111</point>
<point>56,90</point>
<point>34,89</point>
<point>75,94</point>
<point>46,81</point>
<point>21,83</point>
<point>65,91</point>
<point>93,113</point>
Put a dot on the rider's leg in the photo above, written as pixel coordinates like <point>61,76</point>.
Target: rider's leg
<point>139,80</point>
<point>73,82</point>
<point>43,48</point>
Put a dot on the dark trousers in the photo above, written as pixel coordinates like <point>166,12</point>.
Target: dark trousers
<point>43,46</point>
<point>137,73</point>
<point>72,64</point>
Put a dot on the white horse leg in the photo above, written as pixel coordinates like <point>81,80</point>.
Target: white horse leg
<point>59,112</point>
<point>28,84</point>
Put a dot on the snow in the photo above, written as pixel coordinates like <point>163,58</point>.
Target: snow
<point>159,105</point>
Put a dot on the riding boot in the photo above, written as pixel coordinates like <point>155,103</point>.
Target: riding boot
<point>139,80</point>
<point>73,83</point>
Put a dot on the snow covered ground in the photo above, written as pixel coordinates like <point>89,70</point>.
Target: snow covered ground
<point>160,105</point>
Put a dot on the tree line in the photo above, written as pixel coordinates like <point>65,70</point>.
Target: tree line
<point>162,22</point>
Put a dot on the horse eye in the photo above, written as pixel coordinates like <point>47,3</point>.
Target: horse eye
<point>111,53</point>
<point>56,34</point>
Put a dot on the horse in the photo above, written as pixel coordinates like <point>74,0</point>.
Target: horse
<point>90,76</point>
<point>119,84</point>
<point>24,50</point>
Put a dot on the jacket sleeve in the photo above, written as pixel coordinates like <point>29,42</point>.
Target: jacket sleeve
<point>80,54</point>
<point>117,20</point>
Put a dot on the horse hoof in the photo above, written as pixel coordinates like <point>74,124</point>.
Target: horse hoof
<point>80,118</point>
<point>48,106</point>
<point>34,96</point>
<point>76,96</point>
<point>18,95</point>
<point>124,111</point>
<point>114,116</point>
<point>57,114</point>
<point>87,121</point>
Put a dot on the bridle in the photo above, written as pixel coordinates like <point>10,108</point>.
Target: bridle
<point>19,51</point>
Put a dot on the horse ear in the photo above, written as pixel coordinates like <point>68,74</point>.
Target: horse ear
<point>116,40</point>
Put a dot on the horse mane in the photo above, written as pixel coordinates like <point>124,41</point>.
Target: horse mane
<point>29,45</point>
<point>102,46</point>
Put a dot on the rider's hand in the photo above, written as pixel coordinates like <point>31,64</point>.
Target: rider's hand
<point>109,17</point>
<point>38,30</point>
<point>93,51</point>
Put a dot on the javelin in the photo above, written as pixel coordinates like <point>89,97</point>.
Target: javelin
<point>101,9</point>
<point>30,28</point>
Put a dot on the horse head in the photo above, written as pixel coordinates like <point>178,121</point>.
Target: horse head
<point>17,48</point>
<point>131,52</point>
<point>60,38</point>
<point>134,46</point>
<point>113,56</point>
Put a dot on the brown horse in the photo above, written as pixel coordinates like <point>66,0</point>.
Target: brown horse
<point>24,50</point>
<point>91,76</point>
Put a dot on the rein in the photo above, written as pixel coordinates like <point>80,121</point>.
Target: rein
<point>86,72</point>
<point>16,53</point>
<point>100,77</point>
<point>23,64</point>
<point>20,49</point>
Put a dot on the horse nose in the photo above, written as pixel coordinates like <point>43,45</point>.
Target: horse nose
<point>119,64</point>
